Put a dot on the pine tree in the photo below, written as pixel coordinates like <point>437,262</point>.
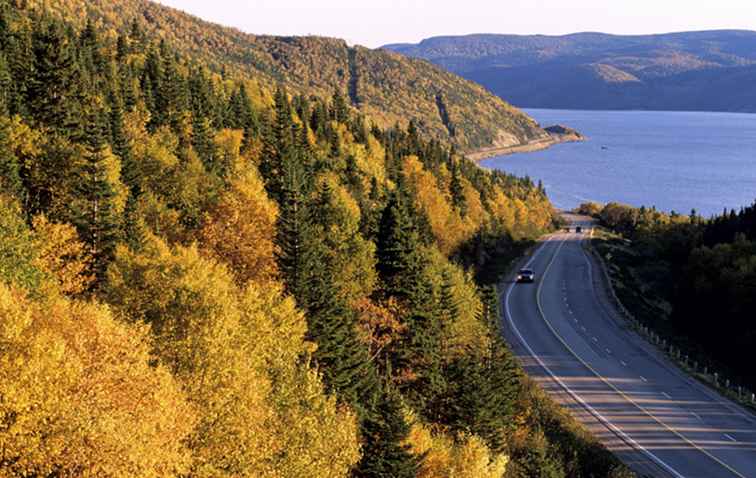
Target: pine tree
<point>10,171</point>
<point>399,261</point>
<point>55,89</point>
<point>202,141</point>
<point>384,432</point>
<point>457,191</point>
<point>95,217</point>
<point>295,229</point>
<point>6,85</point>
<point>120,144</point>
<point>277,145</point>
<point>339,108</point>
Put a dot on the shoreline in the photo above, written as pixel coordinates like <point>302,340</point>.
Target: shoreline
<point>538,144</point>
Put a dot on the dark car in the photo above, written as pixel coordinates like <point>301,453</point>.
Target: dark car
<point>579,229</point>
<point>526,275</point>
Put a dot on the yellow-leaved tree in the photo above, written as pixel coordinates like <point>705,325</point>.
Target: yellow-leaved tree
<point>464,456</point>
<point>240,230</point>
<point>78,396</point>
<point>62,256</point>
<point>238,353</point>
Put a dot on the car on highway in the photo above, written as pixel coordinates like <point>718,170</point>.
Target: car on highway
<point>579,230</point>
<point>526,275</point>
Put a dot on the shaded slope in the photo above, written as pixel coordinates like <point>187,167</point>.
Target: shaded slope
<point>390,88</point>
<point>710,70</point>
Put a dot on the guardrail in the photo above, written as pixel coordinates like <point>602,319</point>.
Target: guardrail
<point>700,368</point>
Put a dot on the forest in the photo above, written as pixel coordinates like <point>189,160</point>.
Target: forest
<point>388,87</point>
<point>206,274</point>
<point>691,278</point>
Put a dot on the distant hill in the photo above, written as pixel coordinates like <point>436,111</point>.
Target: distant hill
<point>388,87</point>
<point>708,70</point>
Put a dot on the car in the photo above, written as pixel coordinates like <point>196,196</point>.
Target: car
<point>526,275</point>
<point>578,229</point>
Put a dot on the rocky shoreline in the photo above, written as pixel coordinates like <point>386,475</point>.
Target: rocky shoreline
<point>556,134</point>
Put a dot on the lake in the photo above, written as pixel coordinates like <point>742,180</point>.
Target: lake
<point>671,160</point>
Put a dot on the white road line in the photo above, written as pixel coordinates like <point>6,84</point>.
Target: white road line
<point>729,437</point>
<point>696,415</point>
<point>643,378</point>
<point>608,351</point>
<point>582,328</point>
<point>623,363</point>
<point>667,395</point>
<point>624,436</point>
<point>595,339</point>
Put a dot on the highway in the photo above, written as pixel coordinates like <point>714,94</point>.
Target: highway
<point>572,341</point>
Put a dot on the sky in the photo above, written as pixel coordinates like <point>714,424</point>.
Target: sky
<point>374,23</point>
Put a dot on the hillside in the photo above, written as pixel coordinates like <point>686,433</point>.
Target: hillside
<point>708,70</point>
<point>387,87</point>
<point>203,277</point>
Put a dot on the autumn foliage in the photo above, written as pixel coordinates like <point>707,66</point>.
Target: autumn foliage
<point>205,274</point>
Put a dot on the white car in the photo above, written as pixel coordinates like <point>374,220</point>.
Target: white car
<point>526,275</point>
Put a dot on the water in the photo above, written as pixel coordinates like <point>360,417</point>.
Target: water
<point>672,160</point>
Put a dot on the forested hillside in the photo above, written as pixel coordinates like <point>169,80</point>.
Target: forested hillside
<point>209,275</point>
<point>699,71</point>
<point>690,278</point>
<point>390,88</point>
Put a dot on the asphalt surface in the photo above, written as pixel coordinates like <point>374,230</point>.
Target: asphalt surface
<point>649,413</point>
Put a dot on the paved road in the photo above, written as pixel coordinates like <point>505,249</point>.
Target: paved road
<point>655,418</point>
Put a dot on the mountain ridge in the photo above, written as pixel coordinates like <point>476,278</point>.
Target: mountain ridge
<point>708,70</point>
<point>387,87</point>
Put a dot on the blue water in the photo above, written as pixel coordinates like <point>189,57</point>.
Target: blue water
<point>671,160</point>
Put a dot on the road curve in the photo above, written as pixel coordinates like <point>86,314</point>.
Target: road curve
<point>650,414</point>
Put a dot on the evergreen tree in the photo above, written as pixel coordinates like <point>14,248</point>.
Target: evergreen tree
<point>480,394</point>
<point>400,262</point>
<point>384,453</point>
<point>95,215</point>
<point>10,171</point>
<point>339,108</point>
<point>55,89</point>
<point>277,145</point>
<point>121,146</point>
<point>295,234</point>
<point>202,141</point>
<point>457,192</point>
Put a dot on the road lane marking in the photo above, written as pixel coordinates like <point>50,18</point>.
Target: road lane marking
<point>582,327</point>
<point>623,363</point>
<point>595,339</point>
<point>602,378</point>
<point>696,415</point>
<point>667,395</point>
<point>729,437</point>
<point>608,351</point>
<point>624,436</point>
<point>620,392</point>
<point>643,378</point>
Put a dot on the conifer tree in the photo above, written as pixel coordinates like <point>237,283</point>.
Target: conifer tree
<point>339,108</point>
<point>384,432</point>
<point>55,89</point>
<point>400,260</point>
<point>294,232</point>
<point>457,192</point>
<point>277,145</point>
<point>95,215</point>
